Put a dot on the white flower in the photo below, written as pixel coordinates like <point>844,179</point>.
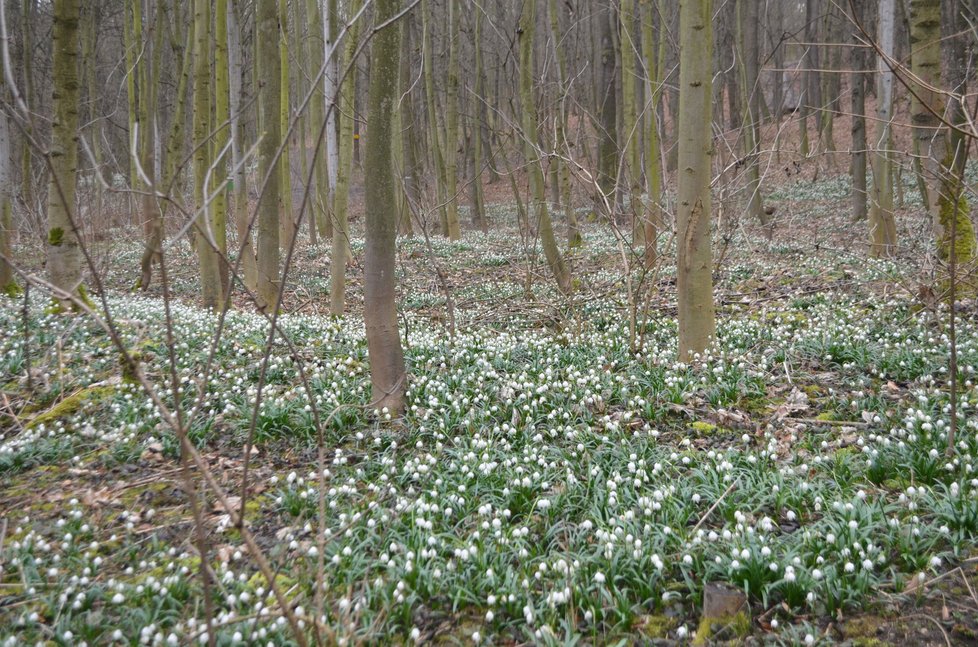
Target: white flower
<point>809,639</point>
<point>599,577</point>
<point>415,634</point>
<point>682,631</point>
<point>118,598</point>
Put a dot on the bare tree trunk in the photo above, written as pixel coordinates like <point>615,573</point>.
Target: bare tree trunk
<point>341,255</point>
<point>387,373</point>
<point>269,175</point>
<point>948,207</point>
<point>240,209</point>
<point>748,19</point>
<point>694,266</point>
<point>410,170</point>
<point>857,163</point>
<point>64,256</point>
<point>451,125</point>
<point>608,122</point>
<point>8,285</point>
<point>528,120</point>
<point>287,218</point>
<point>574,238</point>
<point>475,128</point>
<point>881,223</point>
<point>655,65</point>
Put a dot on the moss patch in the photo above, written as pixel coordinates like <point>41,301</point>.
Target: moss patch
<point>73,404</point>
<point>56,237</point>
<point>738,624</point>
<point>655,626</point>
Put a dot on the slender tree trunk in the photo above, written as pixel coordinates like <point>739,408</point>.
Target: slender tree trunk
<point>205,222</point>
<point>631,133</point>
<point>242,215</point>
<point>411,170</point>
<point>747,23</point>
<point>287,219</point>
<point>8,284</point>
<point>857,163</point>
<point>330,81</point>
<point>451,125</point>
<point>269,175</point>
<point>534,167</point>
<point>694,265</point>
<point>148,70</point>
<point>28,195</point>
<point>222,137</point>
<point>387,372</point>
<point>475,128</point>
<point>655,64</point>
<point>608,124</point>
<point>574,238</point>
<point>64,258</point>
<point>341,255</point>
<point>438,156</point>
<point>317,113</point>
<point>948,206</point>
<point>881,223</point>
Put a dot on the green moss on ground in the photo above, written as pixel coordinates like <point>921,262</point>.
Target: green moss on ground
<point>72,404</point>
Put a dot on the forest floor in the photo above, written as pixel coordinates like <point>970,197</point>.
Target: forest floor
<point>558,478</point>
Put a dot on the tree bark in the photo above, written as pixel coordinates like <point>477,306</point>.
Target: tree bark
<point>948,207</point>
<point>64,255</point>
<point>694,279</point>
<point>266,36</point>
<point>528,116</point>
<point>747,22</point>
<point>387,373</point>
<point>857,160</point>
<point>881,223</point>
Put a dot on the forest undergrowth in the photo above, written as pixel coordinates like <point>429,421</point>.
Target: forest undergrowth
<point>552,481</point>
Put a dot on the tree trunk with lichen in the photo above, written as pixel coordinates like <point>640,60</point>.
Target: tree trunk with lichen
<point>205,223</point>
<point>538,189</point>
<point>747,26</point>
<point>574,238</point>
<point>694,266</point>
<point>341,255</point>
<point>64,256</point>
<point>881,222</point>
<point>947,203</point>
<point>242,215</point>
<point>269,175</point>
<point>387,372</point>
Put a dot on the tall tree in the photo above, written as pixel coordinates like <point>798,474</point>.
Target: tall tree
<point>857,160</point>
<point>529,123</point>
<point>451,124</point>
<point>8,285</point>
<point>608,115</point>
<point>694,280</point>
<point>287,226</point>
<point>269,175</point>
<point>341,255</point>
<point>410,166</point>
<point>748,20</point>
<point>147,73</point>
<point>387,373</point>
<point>631,133</point>
<point>948,206</point>
<point>64,257</point>
<point>574,238</point>
<point>242,215</point>
<point>655,65</point>
<point>207,238</point>
<point>881,221</point>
